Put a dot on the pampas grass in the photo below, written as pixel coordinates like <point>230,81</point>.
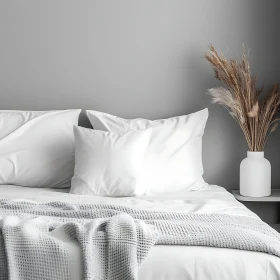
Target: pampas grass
<point>240,95</point>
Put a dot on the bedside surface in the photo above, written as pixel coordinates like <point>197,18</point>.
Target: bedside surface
<point>274,197</point>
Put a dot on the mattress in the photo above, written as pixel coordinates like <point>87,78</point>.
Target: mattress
<point>174,262</point>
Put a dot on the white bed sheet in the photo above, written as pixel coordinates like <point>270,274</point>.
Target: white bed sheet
<point>176,262</point>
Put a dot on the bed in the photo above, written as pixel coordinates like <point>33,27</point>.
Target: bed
<point>138,206</point>
<point>172,262</point>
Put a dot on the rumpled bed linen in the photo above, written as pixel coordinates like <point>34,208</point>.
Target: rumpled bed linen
<point>114,240</point>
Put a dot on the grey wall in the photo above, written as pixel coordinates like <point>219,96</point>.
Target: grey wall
<point>137,58</point>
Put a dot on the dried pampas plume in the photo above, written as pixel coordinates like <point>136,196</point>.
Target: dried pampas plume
<point>241,97</point>
<point>255,111</point>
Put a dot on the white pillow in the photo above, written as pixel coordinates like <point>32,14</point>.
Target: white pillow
<point>173,161</point>
<point>108,164</point>
<point>37,148</point>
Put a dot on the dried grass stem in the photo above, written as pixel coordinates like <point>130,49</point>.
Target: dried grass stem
<point>241,97</point>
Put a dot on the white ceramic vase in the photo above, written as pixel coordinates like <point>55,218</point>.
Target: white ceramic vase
<point>255,175</point>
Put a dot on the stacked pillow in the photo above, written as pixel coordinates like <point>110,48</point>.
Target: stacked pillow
<point>37,148</point>
<point>120,157</point>
<point>139,156</point>
<point>108,164</point>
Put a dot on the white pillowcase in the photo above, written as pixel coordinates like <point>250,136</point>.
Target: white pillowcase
<point>37,148</point>
<point>108,164</point>
<point>173,161</point>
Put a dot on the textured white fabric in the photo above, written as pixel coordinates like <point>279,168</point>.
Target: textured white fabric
<point>36,243</point>
<point>37,148</point>
<point>173,160</point>
<point>212,200</point>
<point>114,240</point>
<point>108,164</point>
<point>175,262</point>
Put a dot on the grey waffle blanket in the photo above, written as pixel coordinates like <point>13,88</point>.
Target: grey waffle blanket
<point>114,240</point>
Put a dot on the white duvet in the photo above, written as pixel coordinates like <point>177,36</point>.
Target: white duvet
<point>175,262</point>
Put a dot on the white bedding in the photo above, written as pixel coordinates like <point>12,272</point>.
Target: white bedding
<point>175,262</point>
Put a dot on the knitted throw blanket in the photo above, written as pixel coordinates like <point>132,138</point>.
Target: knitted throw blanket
<point>114,240</point>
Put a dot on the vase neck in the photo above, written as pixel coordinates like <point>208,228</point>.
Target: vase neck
<point>255,154</point>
